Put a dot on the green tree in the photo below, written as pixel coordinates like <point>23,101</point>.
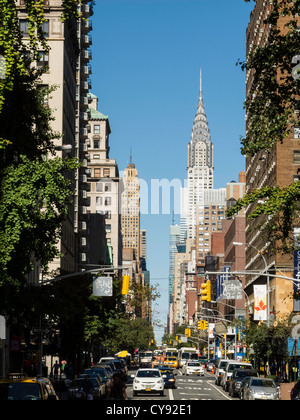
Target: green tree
<point>35,191</point>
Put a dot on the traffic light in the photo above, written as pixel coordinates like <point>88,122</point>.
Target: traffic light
<point>125,285</point>
<point>202,325</point>
<point>206,291</point>
<point>187,332</point>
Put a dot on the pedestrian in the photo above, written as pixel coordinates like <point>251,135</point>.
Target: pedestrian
<point>55,370</point>
<point>116,389</point>
<point>87,387</point>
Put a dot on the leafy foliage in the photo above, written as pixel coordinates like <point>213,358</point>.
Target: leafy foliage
<point>271,115</point>
<point>270,104</point>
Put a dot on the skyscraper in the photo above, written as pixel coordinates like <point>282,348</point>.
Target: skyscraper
<point>130,209</point>
<point>200,165</point>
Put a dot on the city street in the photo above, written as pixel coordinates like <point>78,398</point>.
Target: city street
<point>189,388</point>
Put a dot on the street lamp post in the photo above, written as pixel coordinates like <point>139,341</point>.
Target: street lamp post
<point>268,279</point>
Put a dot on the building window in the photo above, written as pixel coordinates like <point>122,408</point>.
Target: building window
<point>297,156</point>
<point>99,186</point>
<point>296,132</point>
<point>46,28</point>
<point>98,201</point>
<point>24,27</point>
<point>43,59</point>
<point>96,144</point>
<point>107,187</point>
<point>96,156</point>
<point>97,173</point>
<point>106,172</point>
<point>96,129</point>
<point>107,228</point>
<point>107,201</point>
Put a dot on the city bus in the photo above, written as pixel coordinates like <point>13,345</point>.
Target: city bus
<point>185,354</point>
<point>169,352</point>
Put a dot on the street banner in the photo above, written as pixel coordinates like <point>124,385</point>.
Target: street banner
<point>260,302</point>
<point>297,277</point>
<point>296,267</point>
<point>211,330</point>
<point>220,282</point>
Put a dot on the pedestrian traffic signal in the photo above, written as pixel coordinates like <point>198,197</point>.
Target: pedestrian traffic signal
<point>125,285</point>
<point>206,291</point>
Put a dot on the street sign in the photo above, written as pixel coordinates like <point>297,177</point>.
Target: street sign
<point>102,286</point>
<point>232,289</point>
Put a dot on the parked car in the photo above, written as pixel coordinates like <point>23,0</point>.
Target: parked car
<point>120,369</point>
<point>193,367</point>
<point>75,390</point>
<point>168,376</point>
<point>237,378</point>
<point>231,365</point>
<point>106,359</point>
<point>261,389</point>
<point>210,364</point>
<point>20,387</point>
<point>107,367</point>
<point>295,392</point>
<point>219,371</point>
<point>104,372</point>
<point>147,381</point>
<point>102,385</point>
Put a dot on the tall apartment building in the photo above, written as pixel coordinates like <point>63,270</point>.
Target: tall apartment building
<point>210,214</point>
<point>103,183</point>
<point>68,70</point>
<point>200,165</point>
<point>174,239</point>
<point>130,210</point>
<point>276,168</point>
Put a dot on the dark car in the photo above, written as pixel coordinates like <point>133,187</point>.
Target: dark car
<point>75,390</point>
<point>295,392</point>
<point>104,373</point>
<point>120,369</point>
<point>237,378</point>
<point>168,376</point>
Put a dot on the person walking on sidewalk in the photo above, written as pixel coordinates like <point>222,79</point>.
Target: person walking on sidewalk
<point>116,389</point>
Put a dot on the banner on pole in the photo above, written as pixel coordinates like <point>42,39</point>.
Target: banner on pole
<point>211,330</point>
<point>102,286</point>
<point>260,302</point>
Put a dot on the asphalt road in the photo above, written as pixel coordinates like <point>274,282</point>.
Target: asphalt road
<point>188,388</point>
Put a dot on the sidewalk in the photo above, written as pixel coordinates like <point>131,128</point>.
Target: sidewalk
<point>286,390</point>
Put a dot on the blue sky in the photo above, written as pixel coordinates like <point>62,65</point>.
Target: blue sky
<point>147,56</point>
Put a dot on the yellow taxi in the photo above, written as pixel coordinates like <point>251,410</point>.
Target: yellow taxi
<point>171,362</point>
<point>19,387</point>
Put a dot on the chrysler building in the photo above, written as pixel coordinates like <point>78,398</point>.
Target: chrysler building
<point>200,166</point>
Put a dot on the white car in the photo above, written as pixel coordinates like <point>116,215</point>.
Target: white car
<point>193,367</point>
<point>148,380</point>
